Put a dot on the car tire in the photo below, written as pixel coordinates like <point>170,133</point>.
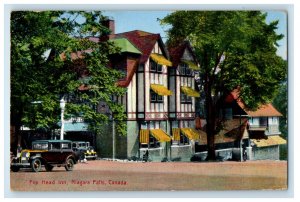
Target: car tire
<point>15,168</point>
<point>48,167</point>
<point>36,165</point>
<point>69,164</point>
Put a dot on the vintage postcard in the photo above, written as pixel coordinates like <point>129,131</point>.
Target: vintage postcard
<point>166,100</point>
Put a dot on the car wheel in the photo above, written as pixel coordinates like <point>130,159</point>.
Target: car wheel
<point>69,165</point>
<point>15,168</point>
<point>48,167</point>
<point>36,165</point>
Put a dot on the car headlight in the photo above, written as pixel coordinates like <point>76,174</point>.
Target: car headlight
<point>27,154</point>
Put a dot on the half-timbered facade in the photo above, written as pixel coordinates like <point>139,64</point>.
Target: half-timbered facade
<point>160,97</point>
<point>182,102</point>
<point>147,97</point>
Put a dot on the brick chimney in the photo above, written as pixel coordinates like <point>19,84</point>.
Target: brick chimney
<point>110,24</point>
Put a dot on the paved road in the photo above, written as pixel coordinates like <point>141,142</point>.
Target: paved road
<point>103,175</point>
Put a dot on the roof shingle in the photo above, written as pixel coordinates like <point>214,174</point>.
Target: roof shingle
<point>265,110</point>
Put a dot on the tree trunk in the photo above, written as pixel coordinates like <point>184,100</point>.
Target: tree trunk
<point>210,123</point>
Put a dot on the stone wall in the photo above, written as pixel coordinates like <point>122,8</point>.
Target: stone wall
<point>265,153</point>
<point>181,152</point>
<point>156,154</point>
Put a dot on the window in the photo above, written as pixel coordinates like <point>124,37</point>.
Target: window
<point>228,113</point>
<point>40,146</point>
<point>155,97</point>
<point>66,146</point>
<point>184,69</point>
<point>141,67</point>
<point>273,120</point>
<point>153,143</point>
<point>159,98</point>
<point>185,99</point>
<point>55,146</point>
<point>152,125</point>
<point>263,121</point>
<point>184,140</point>
<point>155,67</point>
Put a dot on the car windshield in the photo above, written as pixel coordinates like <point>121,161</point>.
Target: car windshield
<point>81,145</point>
<point>40,146</point>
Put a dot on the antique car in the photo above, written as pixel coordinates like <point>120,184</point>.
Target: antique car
<point>86,151</point>
<point>47,153</point>
<point>91,153</point>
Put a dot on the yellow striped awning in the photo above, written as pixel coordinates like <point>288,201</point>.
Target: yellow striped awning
<point>191,65</point>
<point>189,91</point>
<point>271,141</point>
<point>144,136</point>
<point>176,134</point>
<point>160,135</point>
<point>160,89</point>
<point>160,59</point>
<point>190,133</point>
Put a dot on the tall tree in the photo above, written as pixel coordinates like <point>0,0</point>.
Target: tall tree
<point>51,58</point>
<point>235,49</point>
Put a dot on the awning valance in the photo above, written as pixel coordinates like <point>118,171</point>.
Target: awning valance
<point>160,89</point>
<point>144,136</point>
<point>191,65</point>
<point>160,135</point>
<point>271,141</point>
<point>189,91</point>
<point>190,133</point>
<point>176,134</point>
<point>160,59</point>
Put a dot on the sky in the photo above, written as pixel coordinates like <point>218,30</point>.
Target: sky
<point>148,21</point>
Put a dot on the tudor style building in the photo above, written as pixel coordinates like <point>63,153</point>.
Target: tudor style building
<point>159,102</point>
<point>160,106</point>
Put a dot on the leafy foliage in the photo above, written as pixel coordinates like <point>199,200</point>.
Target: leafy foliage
<point>235,49</point>
<point>50,58</point>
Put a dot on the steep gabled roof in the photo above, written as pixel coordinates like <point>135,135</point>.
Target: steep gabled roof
<point>176,52</point>
<point>265,110</point>
<point>142,42</point>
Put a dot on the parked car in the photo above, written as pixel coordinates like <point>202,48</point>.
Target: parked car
<point>85,150</point>
<point>47,153</point>
<point>91,153</point>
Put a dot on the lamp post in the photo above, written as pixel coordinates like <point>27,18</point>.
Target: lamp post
<point>114,137</point>
<point>62,107</point>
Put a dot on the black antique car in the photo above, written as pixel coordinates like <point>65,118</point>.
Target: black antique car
<point>86,151</point>
<point>47,153</point>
